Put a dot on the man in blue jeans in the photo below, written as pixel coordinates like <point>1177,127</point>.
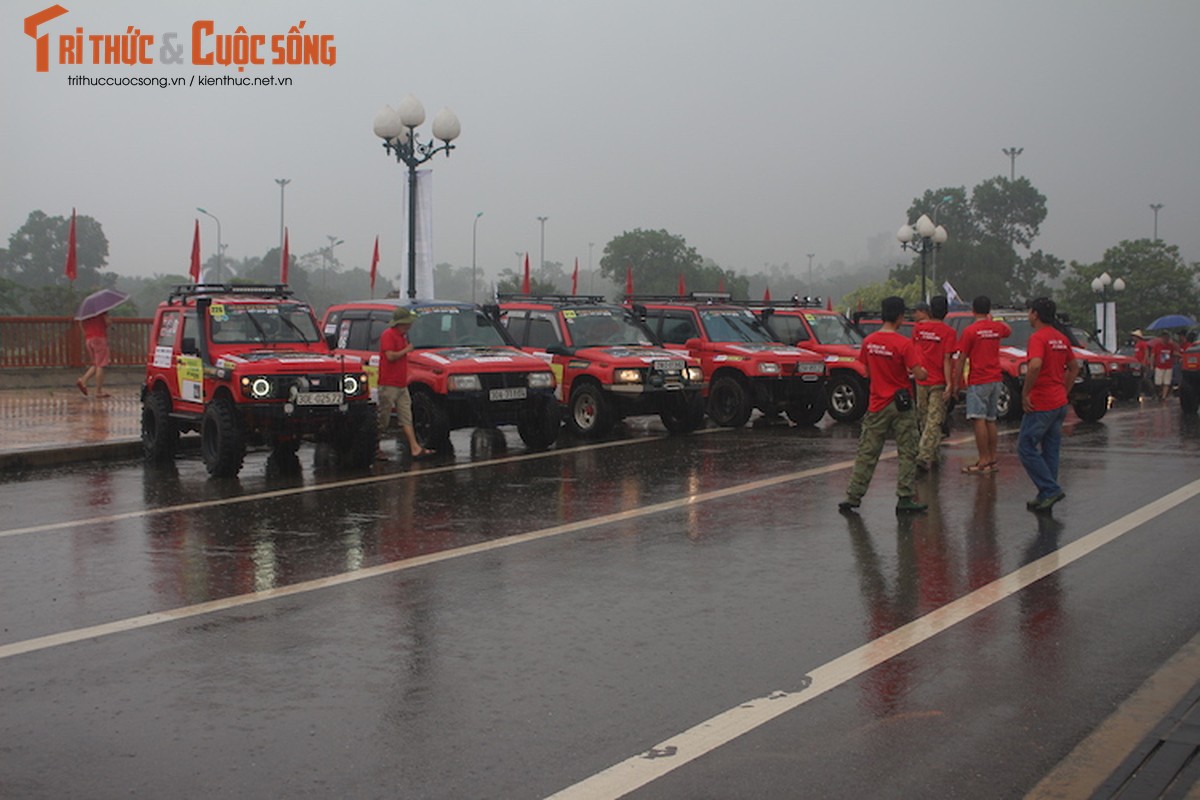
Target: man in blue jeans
<point>1049,375</point>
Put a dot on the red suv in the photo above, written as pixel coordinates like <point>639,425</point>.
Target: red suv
<point>463,372</point>
<point>746,366</point>
<point>807,323</point>
<point>1189,377</point>
<point>607,363</point>
<point>246,365</point>
<point>1124,371</point>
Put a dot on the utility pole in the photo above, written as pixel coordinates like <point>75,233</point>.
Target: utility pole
<point>1012,153</point>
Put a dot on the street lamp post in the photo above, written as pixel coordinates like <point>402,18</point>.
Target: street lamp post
<point>924,237</point>
<point>1012,153</point>
<point>591,274</point>
<point>933,258</point>
<point>398,129</point>
<point>333,242</point>
<point>474,228</point>
<point>1106,310</point>
<point>219,248</point>
<point>1156,207</point>
<point>542,256</point>
<point>282,183</point>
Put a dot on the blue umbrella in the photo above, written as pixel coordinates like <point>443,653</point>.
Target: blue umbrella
<point>99,302</point>
<point>1171,321</point>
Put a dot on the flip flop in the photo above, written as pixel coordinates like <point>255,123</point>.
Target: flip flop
<point>81,387</point>
<point>103,394</point>
<point>423,454</point>
<point>977,469</point>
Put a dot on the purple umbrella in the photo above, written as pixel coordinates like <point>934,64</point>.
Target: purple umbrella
<point>99,302</point>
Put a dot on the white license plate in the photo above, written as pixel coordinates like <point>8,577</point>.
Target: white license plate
<point>669,366</point>
<point>514,393</point>
<point>319,399</point>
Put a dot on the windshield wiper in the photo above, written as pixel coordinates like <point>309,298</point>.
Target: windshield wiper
<point>287,321</point>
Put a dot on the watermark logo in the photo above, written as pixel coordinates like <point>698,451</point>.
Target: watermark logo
<point>42,43</point>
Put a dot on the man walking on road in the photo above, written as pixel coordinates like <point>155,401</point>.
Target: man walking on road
<point>1049,375</point>
<point>889,357</point>
<point>1163,353</point>
<point>935,342</point>
<point>979,351</point>
<point>394,348</point>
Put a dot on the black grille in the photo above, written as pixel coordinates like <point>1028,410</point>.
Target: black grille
<point>502,380</point>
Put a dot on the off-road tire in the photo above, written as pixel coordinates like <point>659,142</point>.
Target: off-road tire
<point>539,423</point>
<point>222,440</point>
<point>590,413</point>
<point>682,412</point>
<point>1092,408</point>
<point>356,438</point>
<point>806,413</point>
<point>431,422</point>
<point>1008,404</point>
<point>848,396</point>
<point>160,434</point>
<point>1189,395</point>
<point>729,402</point>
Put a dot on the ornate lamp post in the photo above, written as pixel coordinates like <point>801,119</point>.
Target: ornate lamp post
<point>1156,207</point>
<point>398,129</point>
<point>220,250</point>
<point>924,237</point>
<point>1106,310</point>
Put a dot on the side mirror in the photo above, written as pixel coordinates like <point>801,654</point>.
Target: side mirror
<point>188,346</point>
<point>694,344</point>
<point>559,350</point>
<point>331,341</point>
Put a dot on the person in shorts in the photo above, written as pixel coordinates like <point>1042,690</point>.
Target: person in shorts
<point>1163,353</point>
<point>979,364</point>
<point>95,332</point>
<point>394,348</point>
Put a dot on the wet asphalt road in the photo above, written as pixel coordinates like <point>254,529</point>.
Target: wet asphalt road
<point>513,626</point>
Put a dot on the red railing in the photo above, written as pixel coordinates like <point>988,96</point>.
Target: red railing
<point>58,342</point>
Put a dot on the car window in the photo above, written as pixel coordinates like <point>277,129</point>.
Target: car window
<point>454,327</point>
<point>728,325</point>
<point>245,323</point>
<point>515,321</point>
<point>788,328</point>
<point>604,326</point>
<point>168,332</point>
<point>678,327</point>
<point>543,332</point>
<point>834,329</point>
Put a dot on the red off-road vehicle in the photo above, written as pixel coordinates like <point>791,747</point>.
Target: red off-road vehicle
<point>464,371</point>
<point>808,324</point>
<point>607,363</point>
<point>247,365</point>
<point>746,366</point>
<point>1124,371</point>
<point>1189,377</point>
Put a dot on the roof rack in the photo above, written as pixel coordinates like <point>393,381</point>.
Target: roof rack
<point>552,298</point>
<point>185,290</point>
<point>690,297</point>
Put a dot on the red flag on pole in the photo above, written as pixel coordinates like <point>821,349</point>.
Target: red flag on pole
<point>829,304</point>
<point>767,295</point>
<point>194,270</point>
<point>283,259</point>
<point>629,280</point>
<point>681,290</point>
<point>525,280</point>
<point>721,284</point>
<point>72,268</point>
<point>575,278</point>
<point>374,265</point>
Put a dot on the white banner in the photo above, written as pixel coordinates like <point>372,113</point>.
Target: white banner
<point>424,247</point>
<point>1106,325</point>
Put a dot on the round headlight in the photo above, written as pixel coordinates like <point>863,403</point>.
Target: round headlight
<point>260,387</point>
<point>351,384</point>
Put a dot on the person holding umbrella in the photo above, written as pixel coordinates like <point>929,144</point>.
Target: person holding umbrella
<point>93,319</point>
<point>1163,353</point>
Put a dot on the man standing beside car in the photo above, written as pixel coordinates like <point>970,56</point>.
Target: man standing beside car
<point>935,342</point>
<point>889,357</point>
<point>1049,375</point>
<point>1163,353</point>
<point>394,348</point>
<point>979,352</point>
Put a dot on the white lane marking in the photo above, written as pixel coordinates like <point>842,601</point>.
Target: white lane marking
<point>649,765</point>
<point>157,618</point>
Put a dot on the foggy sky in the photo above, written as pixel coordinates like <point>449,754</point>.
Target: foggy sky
<point>759,131</point>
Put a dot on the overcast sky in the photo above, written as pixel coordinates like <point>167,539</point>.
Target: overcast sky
<point>760,130</point>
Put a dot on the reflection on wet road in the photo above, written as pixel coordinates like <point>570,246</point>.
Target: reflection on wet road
<point>516,625</point>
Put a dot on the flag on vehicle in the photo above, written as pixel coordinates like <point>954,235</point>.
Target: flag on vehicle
<point>628,280</point>
<point>767,295</point>
<point>72,268</point>
<point>951,295</point>
<point>575,277</point>
<point>681,290</point>
<point>283,260</point>
<point>829,304</point>
<point>721,284</point>
<point>194,269</point>
<point>525,280</point>
<point>374,265</point>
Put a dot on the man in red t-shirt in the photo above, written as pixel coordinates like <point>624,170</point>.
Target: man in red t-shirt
<point>979,352</point>
<point>935,341</point>
<point>1141,351</point>
<point>394,348</point>
<point>95,333</point>
<point>889,357</point>
<point>1050,373</point>
<point>1162,355</point>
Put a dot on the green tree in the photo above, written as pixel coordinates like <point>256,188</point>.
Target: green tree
<point>1157,281</point>
<point>657,259</point>
<point>37,253</point>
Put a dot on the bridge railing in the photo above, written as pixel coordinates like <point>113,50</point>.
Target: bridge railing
<point>27,342</point>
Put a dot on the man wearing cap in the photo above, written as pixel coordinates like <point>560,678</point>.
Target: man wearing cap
<point>394,348</point>
<point>1049,375</point>
<point>935,342</point>
<point>889,357</point>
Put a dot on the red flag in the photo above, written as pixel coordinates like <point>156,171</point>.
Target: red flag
<point>72,268</point>
<point>374,265</point>
<point>721,284</point>
<point>283,260</point>
<point>682,289</point>
<point>767,295</point>
<point>194,271</point>
<point>829,303</point>
<point>525,280</point>
<point>575,278</point>
<point>629,280</point>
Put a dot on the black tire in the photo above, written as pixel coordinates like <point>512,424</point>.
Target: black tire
<point>160,434</point>
<point>357,438</point>
<point>589,413</point>
<point>682,412</point>
<point>1008,404</point>
<point>1092,409</point>
<point>729,402</point>
<point>431,422</point>
<point>539,424</point>
<point>848,396</point>
<point>807,412</point>
<point>1189,396</point>
<point>222,441</point>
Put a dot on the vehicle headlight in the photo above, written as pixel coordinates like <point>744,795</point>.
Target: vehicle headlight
<point>1095,369</point>
<point>540,380</point>
<point>694,374</point>
<point>465,383</point>
<point>1024,368</point>
<point>1114,367</point>
<point>627,376</point>
<point>258,386</point>
<point>353,384</point>
<point>768,368</point>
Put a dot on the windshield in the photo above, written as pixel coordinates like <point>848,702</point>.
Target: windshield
<point>592,327</point>
<point>834,329</point>
<point>1088,340</point>
<point>247,323</point>
<point>733,325</point>
<point>451,326</point>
